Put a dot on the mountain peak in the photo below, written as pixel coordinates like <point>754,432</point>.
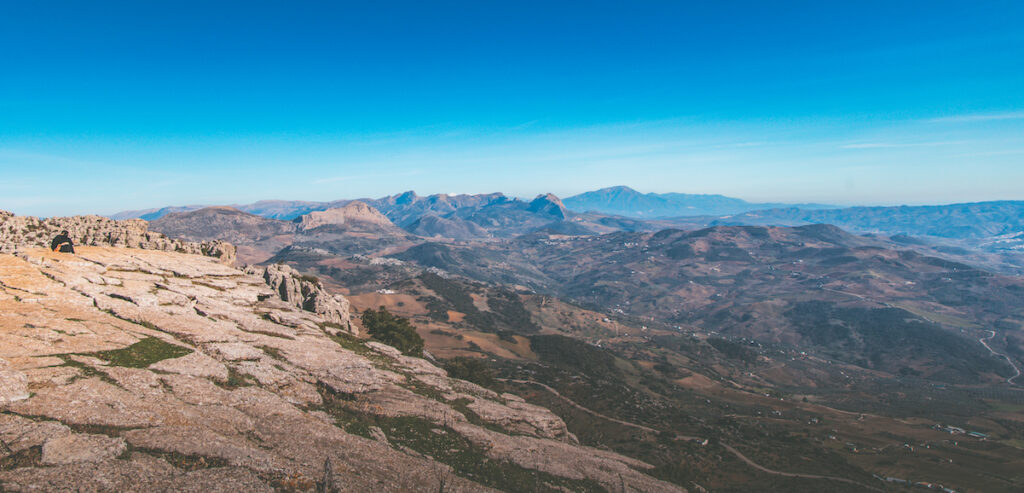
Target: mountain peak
<point>405,198</point>
<point>548,204</point>
<point>617,189</point>
<point>352,212</point>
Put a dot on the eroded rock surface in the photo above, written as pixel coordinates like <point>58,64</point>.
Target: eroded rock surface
<point>73,448</point>
<point>303,293</point>
<point>30,232</point>
<point>152,370</point>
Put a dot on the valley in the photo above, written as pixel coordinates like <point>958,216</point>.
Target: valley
<point>728,357</point>
<point>733,358</point>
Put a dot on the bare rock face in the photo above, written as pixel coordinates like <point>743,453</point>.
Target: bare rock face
<point>195,365</point>
<point>354,214</point>
<point>30,232</point>
<point>13,384</point>
<point>146,370</point>
<point>306,294</point>
<point>73,447</point>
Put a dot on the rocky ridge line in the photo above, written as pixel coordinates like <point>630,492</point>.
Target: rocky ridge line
<point>19,232</point>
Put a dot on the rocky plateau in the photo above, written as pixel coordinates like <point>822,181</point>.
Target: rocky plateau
<point>162,370</point>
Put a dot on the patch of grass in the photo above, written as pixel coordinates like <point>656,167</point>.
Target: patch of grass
<point>30,457</point>
<point>110,431</point>
<point>352,344</point>
<point>356,345</point>
<point>268,333</point>
<point>86,370</point>
<point>186,462</point>
<point>143,353</point>
<point>273,352</point>
<point>74,320</point>
<point>446,446</point>
<point>424,389</point>
<point>235,380</point>
<point>462,405</point>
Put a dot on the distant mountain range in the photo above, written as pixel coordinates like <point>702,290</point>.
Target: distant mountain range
<point>691,322</point>
<point>992,226</point>
<point>974,220</point>
<point>625,201</point>
<point>407,207</point>
<point>351,228</point>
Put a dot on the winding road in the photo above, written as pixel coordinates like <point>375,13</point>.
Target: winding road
<point>983,342</point>
<point>727,447</point>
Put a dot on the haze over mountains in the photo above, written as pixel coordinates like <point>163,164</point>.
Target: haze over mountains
<point>889,311</point>
<point>994,228</point>
<point>625,201</point>
<point>768,330</point>
<point>619,200</point>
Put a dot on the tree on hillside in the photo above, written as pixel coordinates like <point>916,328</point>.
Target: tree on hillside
<point>393,330</point>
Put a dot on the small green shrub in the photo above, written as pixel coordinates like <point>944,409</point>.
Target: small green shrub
<point>393,330</point>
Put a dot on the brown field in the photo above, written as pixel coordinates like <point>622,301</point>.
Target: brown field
<point>402,304</point>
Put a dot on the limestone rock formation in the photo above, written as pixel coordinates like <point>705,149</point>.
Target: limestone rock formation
<point>353,215</point>
<point>147,370</point>
<point>303,293</point>
<point>550,205</point>
<point>26,231</point>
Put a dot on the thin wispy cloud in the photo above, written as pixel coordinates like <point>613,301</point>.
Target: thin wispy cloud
<point>896,145</point>
<point>1007,152</point>
<point>979,117</point>
<point>524,125</point>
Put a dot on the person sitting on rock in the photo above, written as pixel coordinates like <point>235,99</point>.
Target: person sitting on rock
<point>62,243</point>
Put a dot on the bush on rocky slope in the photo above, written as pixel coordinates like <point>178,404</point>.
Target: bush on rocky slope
<point>393,330</point>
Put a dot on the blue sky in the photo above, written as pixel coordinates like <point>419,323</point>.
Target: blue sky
<point>106,106</point>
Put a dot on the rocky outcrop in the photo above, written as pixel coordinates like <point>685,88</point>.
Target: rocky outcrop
<point>142,370</point>
<point>548,204</point>
<point>303,292</point>
<point>28,232</point>
<point>354,215</point>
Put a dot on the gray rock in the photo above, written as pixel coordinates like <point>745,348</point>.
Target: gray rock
<point>301,293</point>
